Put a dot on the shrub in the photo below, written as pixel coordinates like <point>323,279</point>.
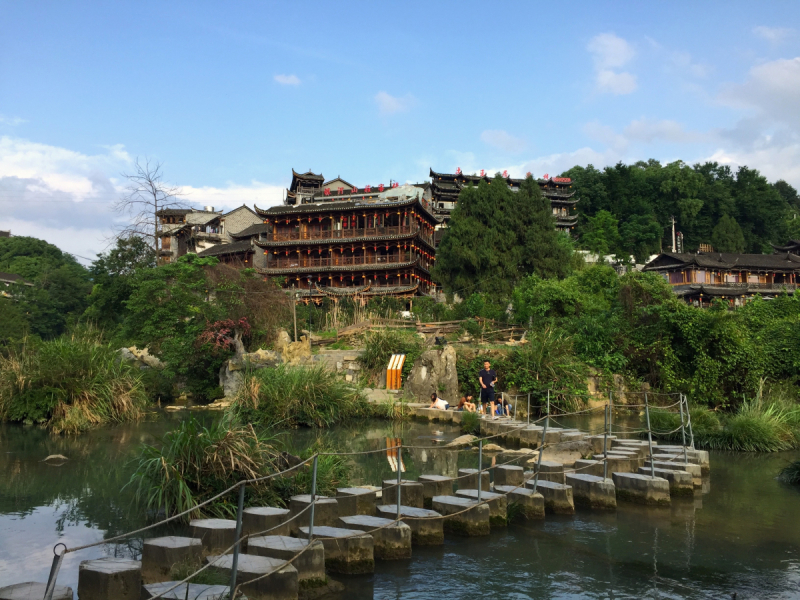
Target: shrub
<point>791,473</point>
<point>289,396</point>
<point>68,384</point>
<point>471,423</point>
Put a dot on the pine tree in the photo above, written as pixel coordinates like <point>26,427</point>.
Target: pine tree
<point>727,236</point>
<point>497,236</point>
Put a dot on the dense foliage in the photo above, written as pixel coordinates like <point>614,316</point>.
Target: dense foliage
<point>627,209</point>
<point>57,298</point>
<point>68,384</point>
<point>495,236</point>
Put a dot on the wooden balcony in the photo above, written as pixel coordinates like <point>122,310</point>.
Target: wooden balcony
<point>345,234</point>
<point>303,262</point>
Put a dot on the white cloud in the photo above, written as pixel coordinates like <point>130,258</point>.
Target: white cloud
<point>774,160</point>
<point>774,35</point>
<point>503,140</point>
<point>683,63</point>
<point>610,82</point>
<point>12,121</point>
<point>553,164</point>
<point>389,105</point>
<point>609,53</point>
<point>772,89</point>
<point>287,79</point>
<point>649,131</point>
<point>66,197</point>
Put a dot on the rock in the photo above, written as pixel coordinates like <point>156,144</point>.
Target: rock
<point>433,370</point>
<point>140,358</point>
<point>55,458</point>
<point>231,373</point>
<point>492,448</point>
<point>462,440</point>
<point>283,340</point>
<point>230,378</point>
<point>32,590</point>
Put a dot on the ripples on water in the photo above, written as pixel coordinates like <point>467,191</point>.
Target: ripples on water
<point>742,537</point>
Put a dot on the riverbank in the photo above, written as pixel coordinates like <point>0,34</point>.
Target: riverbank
<point>695,549</point>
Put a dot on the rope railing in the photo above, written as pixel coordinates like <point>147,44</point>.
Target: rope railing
<point>543,445</point>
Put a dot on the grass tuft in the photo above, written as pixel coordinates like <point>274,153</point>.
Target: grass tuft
<point>471,423</point>
<point>790,473</point>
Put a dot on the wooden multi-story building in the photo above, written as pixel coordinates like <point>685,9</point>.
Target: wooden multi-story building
<point>335,239</point>
<point>445,188</point>
<point>702,277</point>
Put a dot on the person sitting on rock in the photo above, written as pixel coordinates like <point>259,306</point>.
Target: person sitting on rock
<point>438,403</point>
<point>503,406</point>
<point>465,405</point>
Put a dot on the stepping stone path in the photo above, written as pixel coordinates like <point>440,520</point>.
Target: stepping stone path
<point>557,496</point>
<point>356,501</point>
<point>217,535</point>
<point>326,511</point>
<point>32,590</point>
<point>258,520</point>
<point>532,505</point>
<point>106,578</point>
<point>508,475</point>
<point>310,564</point>
<point>680,482</point>
<point>426,528</point>
<point>592,491</point>
<point>411,493</point>
<point>642,489</point>
<point>197,591</point>
<point>346,551</point>
<point>434,485</point>
<point>464,516</point>
<point>280,583</point>
<point>392,541</point>
<point>498,505</point>
<point>159,555</point>
<point>468,478</point>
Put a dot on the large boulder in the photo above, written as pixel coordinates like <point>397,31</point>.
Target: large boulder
<point>231,374</point>
<point>433,372</point>
<point>140,358</point>
<point>297,353</point>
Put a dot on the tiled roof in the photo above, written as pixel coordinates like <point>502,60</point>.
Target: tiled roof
<point>220,249</point>
<point>13,278</point>
<point>252,230</point>
<point>724,261</point>
<point>334,206</point>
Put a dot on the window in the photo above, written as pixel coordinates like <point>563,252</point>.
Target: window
<point>700,276</point>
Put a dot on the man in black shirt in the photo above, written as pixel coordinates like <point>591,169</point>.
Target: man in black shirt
<point>487,378</point>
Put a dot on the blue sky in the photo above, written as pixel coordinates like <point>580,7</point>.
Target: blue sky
<point>230,96</point>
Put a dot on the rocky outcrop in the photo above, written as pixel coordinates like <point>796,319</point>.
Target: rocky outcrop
<point>434,372</point>
<point>140,358</point>
<point>231,374</point>
<point>297,353</point>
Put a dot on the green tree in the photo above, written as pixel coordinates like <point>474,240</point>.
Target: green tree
<point>495,236</point>
<point>788,193</point>
<point>601,234</point>
<point>728,236</point>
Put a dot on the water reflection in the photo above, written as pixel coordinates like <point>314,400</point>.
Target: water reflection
<point>741,536</point>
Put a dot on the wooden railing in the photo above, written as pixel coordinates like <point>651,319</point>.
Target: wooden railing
<point>338,261</point>
<point>345,234</point>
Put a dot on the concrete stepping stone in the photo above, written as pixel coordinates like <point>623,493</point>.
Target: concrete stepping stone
<point>105,578</point>
<point>589,467</point>
<point>695,470</point>
<point>642,489</point>
<point>468,479</point>
<point>557,496</point>
<point>426,528</point>
<point>592,491</point>
<point>217,535</point>
<point>532,505</point>
<point>159,555</point>
<point>356,501</point>
<point>619,463</point>
<point>681,483</point>
<point>197,591</point>
<point>551,471</point>
<point>392,542</point>
<point>411,493</point>
<point>508,475</point>
<point>259,519</point>
<point>434,414</point>
<point>326,511</point>
<point>462,515</point>
<point>572,436</point>
<point>282,583</point>
<point>310,564</point>
<point>498,505</point>
<point>642,448</point>
<point>33,590</point>
<point>434,485</point>
<point>346,551</point>
<point>597,442</point>
<point>531,437</point>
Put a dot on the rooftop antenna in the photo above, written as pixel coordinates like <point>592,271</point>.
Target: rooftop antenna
<point>673,234</point>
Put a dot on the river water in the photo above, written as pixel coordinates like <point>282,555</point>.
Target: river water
<point>741,537</point>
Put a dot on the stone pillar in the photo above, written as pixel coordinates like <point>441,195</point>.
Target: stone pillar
<point>159,555</point>
<point>107,578</point>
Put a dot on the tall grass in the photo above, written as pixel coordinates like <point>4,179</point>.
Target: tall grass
<point>756,426</point>
<point>194,463</point>
<point>289,396</point>
<point>471,423</point>
<point>68,384</point>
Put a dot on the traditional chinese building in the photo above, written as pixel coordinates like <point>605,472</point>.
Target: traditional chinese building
<point>334,239</point>
<point>702,277</point>
<point>445,188</point>
<point>792,246</point>
<point>185,230</point>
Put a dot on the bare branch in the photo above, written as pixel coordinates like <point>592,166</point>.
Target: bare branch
<point>146,195</point>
